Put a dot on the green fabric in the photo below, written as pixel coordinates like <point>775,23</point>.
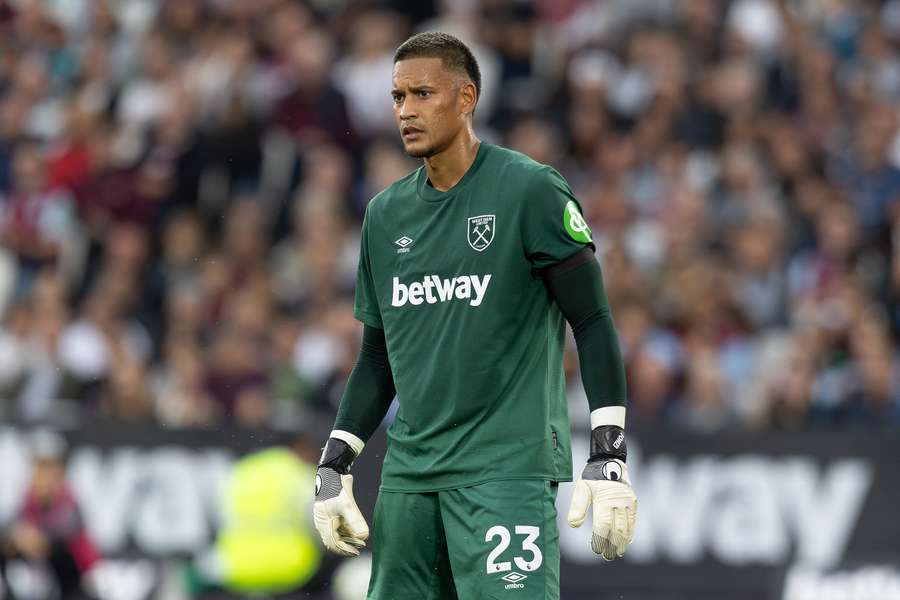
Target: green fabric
<point>409,549</point>
<point>435,546</point>
<point>581,297</point>
<point>474,339</point>
<point>370,388</point>
<point>265,543</point>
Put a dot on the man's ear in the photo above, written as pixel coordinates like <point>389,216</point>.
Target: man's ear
<point>469,97</point>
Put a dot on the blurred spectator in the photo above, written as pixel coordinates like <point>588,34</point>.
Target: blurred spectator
<point>178,385</point>
<point>761,283</point>
<point>36,219</point>
<point>102,336</point>
<point>144,98</point>
<point>325,352</point>
<point>876,396</point>
<point>385,162</point>
<point>314,111</point>
<point>364,75</point>
<point>266,546</point>
<point>705,406</point>
<point>49,531</point>
<point>13,340</point>
<point>289,391</point>
<point>235,366</point>
<point>785,376</point>
<point>126,396</point>
<point>537,139</point>
<point>41,380</point>
<point>318,257</point>
<point>873,183</point>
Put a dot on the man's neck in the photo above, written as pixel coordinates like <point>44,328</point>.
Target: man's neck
<point>446,168</point>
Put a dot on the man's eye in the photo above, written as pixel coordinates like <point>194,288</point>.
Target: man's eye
<point>424,94</point>
<point>397,98</point>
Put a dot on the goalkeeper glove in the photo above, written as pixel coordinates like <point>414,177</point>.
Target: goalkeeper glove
<point>337,517</point>
<point>604,484</point>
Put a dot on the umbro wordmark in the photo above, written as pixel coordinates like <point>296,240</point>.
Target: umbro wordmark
<point>433,289</point>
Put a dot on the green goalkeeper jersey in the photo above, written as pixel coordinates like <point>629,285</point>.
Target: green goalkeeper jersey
<point>475,341</point>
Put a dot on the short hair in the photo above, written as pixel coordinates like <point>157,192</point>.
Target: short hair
<point>452,52</point>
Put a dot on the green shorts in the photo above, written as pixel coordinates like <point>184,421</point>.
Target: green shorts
<point>474,543</point>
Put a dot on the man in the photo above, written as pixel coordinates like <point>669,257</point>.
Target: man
<point>468,267</point>
<point>49,531</point>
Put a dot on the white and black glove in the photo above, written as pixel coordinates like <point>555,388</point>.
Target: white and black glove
<point>340,524</point>
<point>604,485</point>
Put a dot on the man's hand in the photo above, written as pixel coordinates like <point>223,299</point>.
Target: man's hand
<point>605,486</point>
<point>30,542</point>
<point>340,523</point>
<point>337,517</point>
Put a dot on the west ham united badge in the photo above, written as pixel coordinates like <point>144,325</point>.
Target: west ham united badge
<point>481,231</point>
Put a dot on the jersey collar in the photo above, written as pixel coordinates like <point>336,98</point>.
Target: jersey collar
<point>429,194</point>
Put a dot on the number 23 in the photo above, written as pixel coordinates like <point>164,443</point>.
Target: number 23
<point>531,534</point>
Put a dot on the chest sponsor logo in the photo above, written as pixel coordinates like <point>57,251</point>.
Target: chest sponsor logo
<point>433,289</point>
<point>481,231</point>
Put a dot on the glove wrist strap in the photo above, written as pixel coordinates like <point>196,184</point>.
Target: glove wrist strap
<point>337,455</point>
<point>608,441</point>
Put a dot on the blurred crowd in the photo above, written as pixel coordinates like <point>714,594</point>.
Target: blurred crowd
<point>182,184</point>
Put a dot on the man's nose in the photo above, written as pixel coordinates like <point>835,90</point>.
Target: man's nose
<point>406,110</point>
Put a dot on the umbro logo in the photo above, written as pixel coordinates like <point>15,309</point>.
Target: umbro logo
<point>514,581</point>
<point>404,243</point>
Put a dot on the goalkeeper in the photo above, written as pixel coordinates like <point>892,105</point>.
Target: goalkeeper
<point>469,268</point>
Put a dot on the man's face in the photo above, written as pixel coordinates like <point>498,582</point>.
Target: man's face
<point>47,479</point>
<point>429,105</point>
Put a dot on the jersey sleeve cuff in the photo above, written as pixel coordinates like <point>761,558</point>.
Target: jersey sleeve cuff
<point>608,415</point>
<point>351,440</point>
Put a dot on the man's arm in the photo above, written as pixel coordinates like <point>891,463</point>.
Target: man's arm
<point>576,284</point>
<point>370,388</point>
<point>369,392</point>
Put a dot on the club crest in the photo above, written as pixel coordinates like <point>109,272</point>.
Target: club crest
<point>481,231</point>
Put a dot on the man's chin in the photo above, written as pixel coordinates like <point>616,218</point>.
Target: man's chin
<point>417,151</point>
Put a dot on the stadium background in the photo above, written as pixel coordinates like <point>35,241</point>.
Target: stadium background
<point>181,187</point>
